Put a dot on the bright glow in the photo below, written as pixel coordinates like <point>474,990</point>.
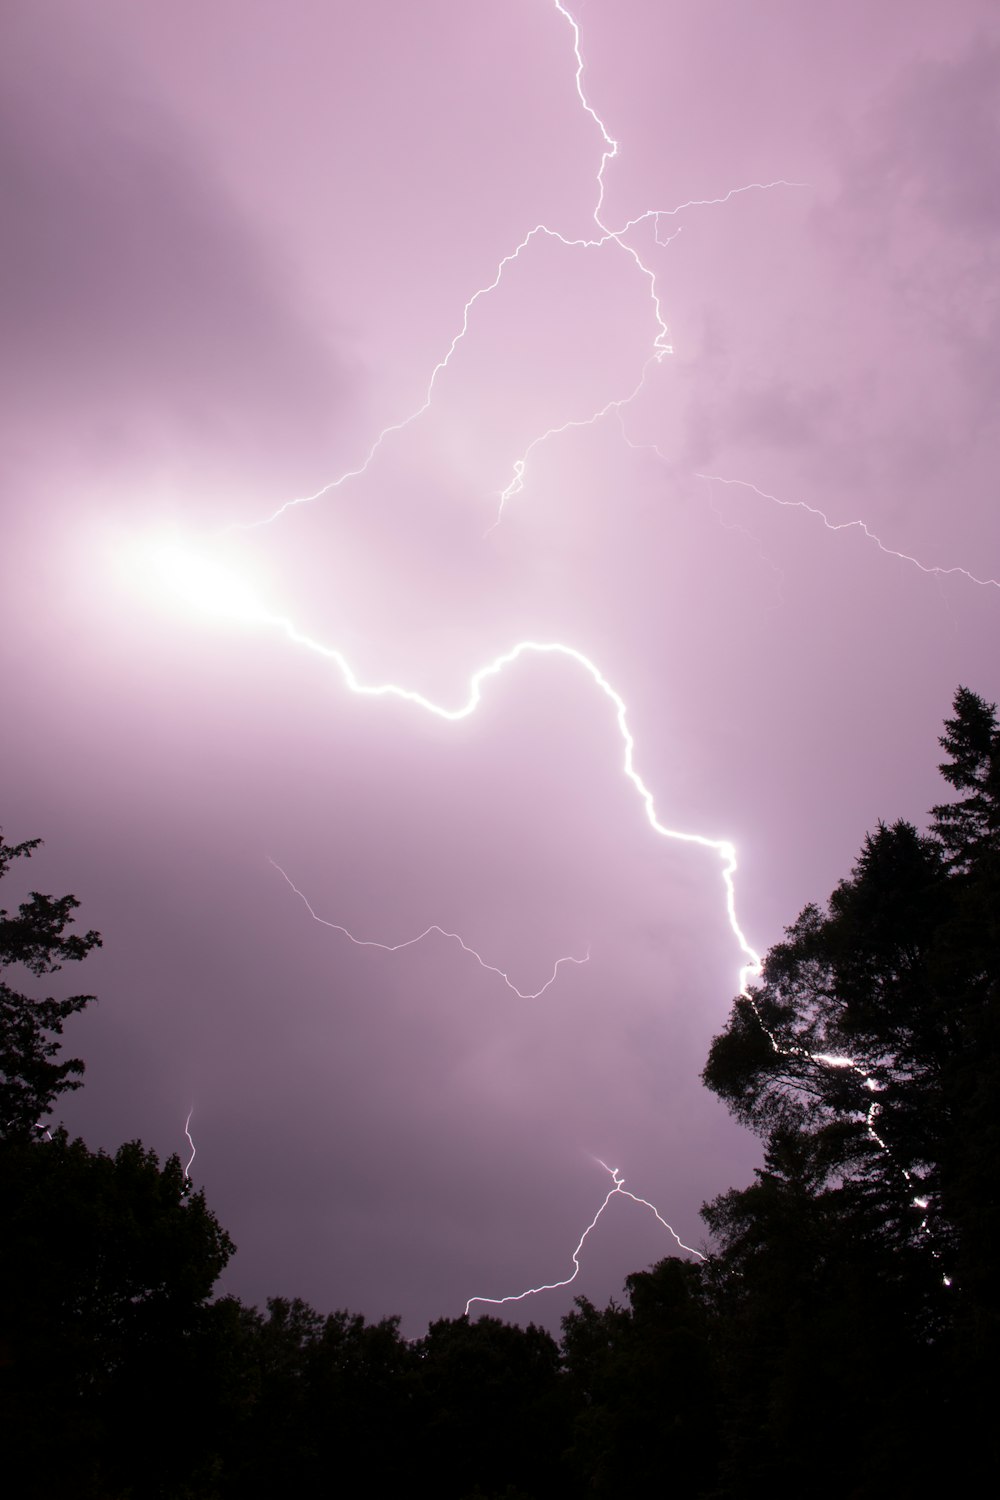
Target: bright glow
<point>617,1190</point>
<point>441,932</point>
<point>191,579</point>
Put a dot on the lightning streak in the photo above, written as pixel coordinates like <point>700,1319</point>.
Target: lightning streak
<point>871,1114</point>
<point>616,404</point>
<point>617,1190</point>
<point>610,144</point>
<point>442,932</point>
<point>862,526</point>
<point>194,1149</point>
<point>747,187</point>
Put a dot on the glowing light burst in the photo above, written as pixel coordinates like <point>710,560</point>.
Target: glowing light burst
<point>173,572</point>
<point>862,526</point>
<point>617,1190</point>
<point>427,932</point>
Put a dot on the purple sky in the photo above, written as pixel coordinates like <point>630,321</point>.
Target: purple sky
<point>237,240</point>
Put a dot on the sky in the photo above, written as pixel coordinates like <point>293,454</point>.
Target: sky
<point>326,331</point>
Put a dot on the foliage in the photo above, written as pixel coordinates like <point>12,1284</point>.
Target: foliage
<point>35,939</point>
<point>867,1057</point>
<point>642,1387</point>
<point>308,1389</point>
<point>106,1267</point>
<point>492,1420</point>
<point>969,828</point>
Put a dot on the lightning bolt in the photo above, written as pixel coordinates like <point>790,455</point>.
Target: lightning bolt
<point>930,568</point>
<point>194,1149</point>
<point>617,1190</point>
<point>200,584</point>
<point>427,932</point>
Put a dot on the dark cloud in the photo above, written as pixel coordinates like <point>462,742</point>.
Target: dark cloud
<point>134,295</point>
<point>941,141</point>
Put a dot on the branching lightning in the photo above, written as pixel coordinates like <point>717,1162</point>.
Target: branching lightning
<point>660,346</point>
<point>617,1190</point>
<point>441,932</point>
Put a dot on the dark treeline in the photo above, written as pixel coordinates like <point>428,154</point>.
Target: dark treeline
<point>839,1341</point>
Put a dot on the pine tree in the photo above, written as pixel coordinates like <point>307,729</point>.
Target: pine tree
<point>868,1058</point>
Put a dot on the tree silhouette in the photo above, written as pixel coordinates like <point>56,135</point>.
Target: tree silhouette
<point>491,1418</point>
<point>868,1057</point>
<point>643,1387</point>
<point>106,1332</point>
<point>35,939</point>
<point>106,1262</point>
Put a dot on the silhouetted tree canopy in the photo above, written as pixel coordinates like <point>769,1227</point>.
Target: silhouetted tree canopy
<point>106,1267</point>
<point>867,1058</point>
<point>642,1385</point>
<point>34,940</point>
